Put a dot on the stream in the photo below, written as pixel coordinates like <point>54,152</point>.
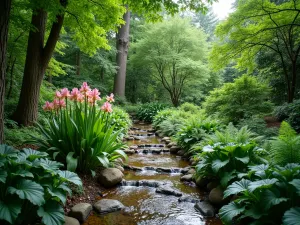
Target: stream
<point>146,170</point>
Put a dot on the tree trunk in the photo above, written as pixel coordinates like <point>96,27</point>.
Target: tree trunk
<point>37,60</point>
<point>122,51</point>
<point>291,95</point>
<point>5,6</point>
<point>11,78</point>
<point>78,62</point>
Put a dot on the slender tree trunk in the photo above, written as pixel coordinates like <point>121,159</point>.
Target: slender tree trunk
<point>11,79</point>
<point>291,95</point>
<point>5,6</point>
<point>37,60</point>
<point>122,51</point>
<point>78,62</point>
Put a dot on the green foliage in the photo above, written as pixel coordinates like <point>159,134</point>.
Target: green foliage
<point>286,147</point>
<point>269,195</point>
<point>32,187</point>
<point>243,98</point>
<point>80,135</point>
<point>189,107</point>
<point>120,120</point>
<point>16,136</point>
<point>290,113</point>
<point>148,111</point>
<point>161,116</point>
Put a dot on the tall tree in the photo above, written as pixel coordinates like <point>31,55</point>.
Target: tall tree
<point>87,20</point>
<point>259,26</point>
<point>5,7</point>
<point>152,10</point>
<point>175,52</point>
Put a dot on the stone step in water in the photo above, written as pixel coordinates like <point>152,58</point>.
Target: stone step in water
<point>152,151</point>
<point>157,169</point>
<point>151,146</point>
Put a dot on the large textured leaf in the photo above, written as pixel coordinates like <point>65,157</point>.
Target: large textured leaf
<point>237,187</point>
<point>270,199</point>
<point>2,161</point>
<point>10,210</point>
<point>244,160</point>
<point>6,150</point>
<point>71,162</point>
<point>27,189</point>
<point>259,170</point>
<point>49,165</point>
<point>3,175</point>
<point>31,154</point>
<point>51,213</point>
<point>262,184</point>
<point>70,177</point>
<point>218,164</point>
<point>59,193</point>
<point>228,212</point>
<point>296,184</point>
<point>255,211</point>
<point>226,177</point>
<point>292,216</point>
<point>22,173</point>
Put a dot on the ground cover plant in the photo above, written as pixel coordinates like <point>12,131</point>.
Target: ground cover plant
<point>33,188</point>
<point>80,133</point>
<point>147,111</point>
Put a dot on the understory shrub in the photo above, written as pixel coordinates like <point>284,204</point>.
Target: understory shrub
<point>120,120</point>
<point>79,134</point>
<point>243,98</point>
<point>289,112</point>
<point>32,188</point>
<point>147,111</point>
<point>267,195</point>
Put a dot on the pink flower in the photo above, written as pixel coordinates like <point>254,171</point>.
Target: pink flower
<point>56,104</point>
<point>58,95</point>
<point>106,107</point>
<point>80,98</point>
<point>94,95</point>
<point>85,88</point>
<point>65,93</point>
<point>74,94</point>
<point>49,106</point>
<point>110,98</point>
<point>62,103</point>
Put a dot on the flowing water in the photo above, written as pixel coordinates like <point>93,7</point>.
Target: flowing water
<point>143,205</point>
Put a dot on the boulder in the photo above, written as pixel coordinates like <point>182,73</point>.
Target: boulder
<point>213,184</point>
<point>165,139</point>
<point>174,149</point>
<point>201,182</point>
<point>181,152</point>
<point>120,168</point>
<point>188,177</point>
<point>216,196</point>
<point>110,177</point>
<point>81,211</point>
<point>167,190</point>
<point>205,208</point>
<point>107,206</point>
<point>185,170</point>
<point>191,171</point>
<point>129,151</point>
<point>188,199</point>
<point>71,221</point>
<point>134,147</point>
<point>171,144</point>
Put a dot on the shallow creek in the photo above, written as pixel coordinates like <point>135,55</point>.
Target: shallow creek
<point>143,205</point>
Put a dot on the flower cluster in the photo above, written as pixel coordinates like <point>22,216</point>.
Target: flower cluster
<point>84,94</point>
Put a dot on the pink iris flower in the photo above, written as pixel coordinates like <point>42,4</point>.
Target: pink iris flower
<point>65,93</point>
<point>106,107</point>
<point>110,98</point>
<point>58,95</point>
<point>94,95</point>
<point>56,104</point>
<point>74,94</point>
<point>85,88</point>
<point>49,106</point>
<point>80,97</point>
<point>62,103</point>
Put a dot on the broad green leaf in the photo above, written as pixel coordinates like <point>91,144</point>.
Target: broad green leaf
<point>2,161</point>
<point>103,160</point>
<point>27,189</point>
<point>237,187</point>
<point>51,213</point>
<point>65,187</point>
<point>6,150</point>
<point>226,177</point>
<point>3,175</point>
<point>59,193</point>
<point>262,184</point>
<point>10,210</point>
<point>244,160</point>
<point>31,154</point>
<point>296,184</point>
<point>71,162</point>
<point>23,173</point>
<point>228,212</point>
<point>259,170</point>
<point>270,199</point>
<point>292,216</point>
<point>218,164</point>
<point>49,165</point>
<point>70,177</point>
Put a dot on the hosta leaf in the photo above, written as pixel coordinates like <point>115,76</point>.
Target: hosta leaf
<point>70,177</point>
<point>244,160</point>
<point>27,189</point>
<point>292,216</point>
<point>2,161</point>
<point>259,170</point>
<point>31,154</point>
<point>270,199</point>
<point>65,187</point>
<point>228,212</point>
<point>227,177</point>
<point>255,212</point>
<point>3,175</point>
<point>10,210</point>
<point>237,187</point>
<point>23,173</point>
<point>71,162</point>
<point>103,160</point>
<point>51,213</point>
<point>6,150</point>
<point>59,193</point>
<point>262,184</point>
<point>217,164</point>
<point>296,184</point>
<point>49,165</point>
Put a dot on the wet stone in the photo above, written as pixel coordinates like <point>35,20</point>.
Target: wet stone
<point>81,211</point>
<point>167,190</point>
<point>71,221</point>
<point>174,149</point>
<point>129,151</point>
<point>110,177</point>
<point>188,177</point>
<point>107,206</point>
<point>205,208</point>
<point>181,152</point>
<point>188,199</point>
